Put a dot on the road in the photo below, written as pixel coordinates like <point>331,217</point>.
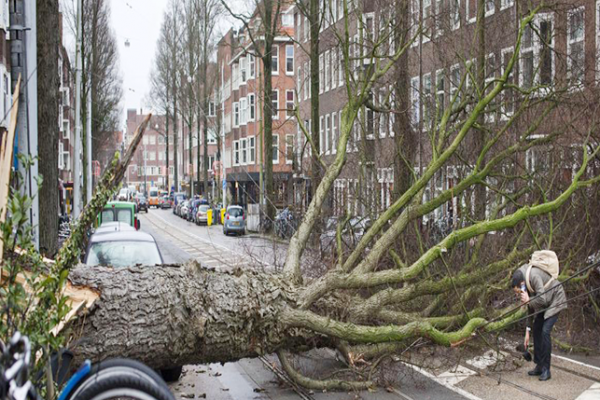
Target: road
<point>460,376</point>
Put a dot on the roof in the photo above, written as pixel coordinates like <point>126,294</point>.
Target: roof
<point>114,226</point>
<point>110,204</point>
<point>123,235</point>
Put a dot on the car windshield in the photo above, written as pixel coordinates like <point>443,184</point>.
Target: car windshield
<point>141,198</point>
<point>123,191</point>
<point>123,215</point>
<point>179,198</point>
<point>153,193</point>
<point>123,254</point>
<point>204,208</point>
<point>235,212</point>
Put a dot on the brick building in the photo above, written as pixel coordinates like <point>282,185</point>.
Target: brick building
<point>559,53</point>
<point>242,105</point>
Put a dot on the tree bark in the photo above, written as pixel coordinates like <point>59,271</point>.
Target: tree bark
<point>171,315</point>
<point>48,90</point>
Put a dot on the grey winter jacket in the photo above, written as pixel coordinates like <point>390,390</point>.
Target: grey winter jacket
<point>553,299</point>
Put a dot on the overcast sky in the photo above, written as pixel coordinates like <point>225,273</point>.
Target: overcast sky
<point>137,21</point>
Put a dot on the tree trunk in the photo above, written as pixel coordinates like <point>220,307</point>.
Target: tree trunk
<point>48,91</point>
<point>169,315</point>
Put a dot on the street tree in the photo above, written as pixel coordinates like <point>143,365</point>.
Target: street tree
<point>48,100</point>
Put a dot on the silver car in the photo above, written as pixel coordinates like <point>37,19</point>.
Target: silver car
<point>235,220</point>
<point>122,248</point>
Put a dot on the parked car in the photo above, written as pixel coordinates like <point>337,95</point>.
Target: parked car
<point>352,232</point>
<point>141,202</point>
<point>122,248</point>
<point>123,195</point>
<point>122,211</point>
<point>202,214</point>
<point>165,202</point>
<point>178,198</point>
<point>235,220</point>
<point>183,210</point>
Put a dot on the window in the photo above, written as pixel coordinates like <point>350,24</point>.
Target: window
<point>251,66</point>
<point>427,99</point>
<point>251,107</point>
<point>321,136</point>
<point>508,95</point>
<point>236,153</point>
<point>415,100</point>
<point>305,30</point>
<point>455,79</point>
<point>504,4</point>
<point>327,133</point>
<point>334,122</point>
<point>370,119</point>
<point>575,46</point>
<point>440,94</point>
<point>340,68</point>
<point>66,129</point>
<point>60,152</point>
<point>299,82</point>
<point>289,103</point>
<point>275,149</point>
<point>244,146</point>
<point>289,149</point>
<point>152,139</point>
<point>490,73</point>
<point>321,77</point>
<point>334,67</point>
<point>275,103</point>
<point>369,27</point>
<point>243,69</point>
<point>327,69</point>
<point>211,109</point>
<point>236,114</point>
<point>243,110</point>
<point>289,60</point>
<point>306,81</point>
<point>472,10</point>
<point>252,150</point>
<point>490,7</point>
<point>426,20</point>
<point>212,137</point>
<point>287,20</point>
<point>537,54</point>
<point>455,14</point>
<point>275,60</point>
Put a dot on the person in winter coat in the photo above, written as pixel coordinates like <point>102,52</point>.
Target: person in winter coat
<point>546,298</point>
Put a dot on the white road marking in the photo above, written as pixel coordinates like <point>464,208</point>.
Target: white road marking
<point>593,393</point>
<point>456,375</point>
<point>576,362</point>
<point>429,375</point>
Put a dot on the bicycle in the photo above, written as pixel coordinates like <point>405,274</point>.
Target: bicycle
<point>112,379</point>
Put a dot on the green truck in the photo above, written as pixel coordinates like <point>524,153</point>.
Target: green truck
<point>119,211</point>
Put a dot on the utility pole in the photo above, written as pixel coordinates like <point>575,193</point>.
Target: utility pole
<point>23,48</point>
<point>88,139</point>
<point>77,156</point>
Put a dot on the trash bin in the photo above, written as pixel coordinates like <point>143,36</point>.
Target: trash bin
<point>223,216</point>
<point>209,219</point>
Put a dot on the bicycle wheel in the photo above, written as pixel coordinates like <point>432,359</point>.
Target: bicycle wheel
<point>124,387</point>
<point>118,367</point>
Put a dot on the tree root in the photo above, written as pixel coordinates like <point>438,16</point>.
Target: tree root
<point>315,384</point>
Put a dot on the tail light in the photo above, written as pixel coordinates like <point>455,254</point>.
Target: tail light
<point>227,216</point>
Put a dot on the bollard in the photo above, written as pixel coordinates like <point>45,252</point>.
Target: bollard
<point>209,217</point>
<point>223,216</point>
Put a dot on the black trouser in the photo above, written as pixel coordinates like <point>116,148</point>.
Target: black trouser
<point>542,342</point>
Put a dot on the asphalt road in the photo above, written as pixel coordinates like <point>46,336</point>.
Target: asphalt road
<point>476,377</point>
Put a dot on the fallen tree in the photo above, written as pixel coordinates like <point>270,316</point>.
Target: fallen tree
<point>394,286</point>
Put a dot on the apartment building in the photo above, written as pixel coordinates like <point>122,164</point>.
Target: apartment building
<point>559,54</point>
<point>148,167</point>
<point>66,116</point>
<point>242,106</point>
<point>5,78</point>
